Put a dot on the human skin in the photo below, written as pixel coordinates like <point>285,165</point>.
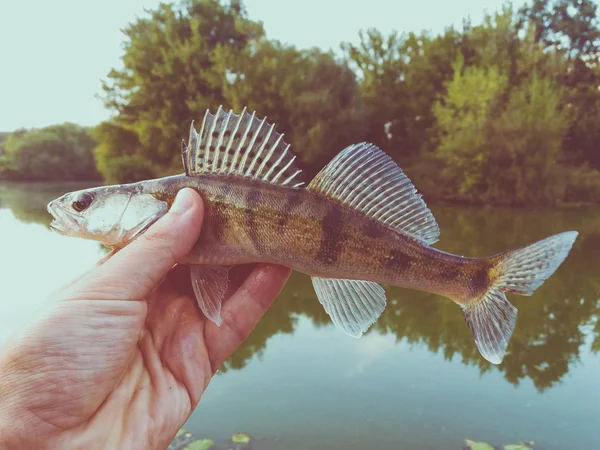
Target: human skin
<point>121,356</point>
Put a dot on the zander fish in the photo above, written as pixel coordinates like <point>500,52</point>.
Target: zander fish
<point>358,223</point>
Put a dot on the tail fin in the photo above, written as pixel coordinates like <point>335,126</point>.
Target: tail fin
<point>492,319</point>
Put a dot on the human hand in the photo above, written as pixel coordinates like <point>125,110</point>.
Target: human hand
<point>120,357</point>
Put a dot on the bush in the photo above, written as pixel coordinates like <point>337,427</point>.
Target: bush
<point>58,152</point>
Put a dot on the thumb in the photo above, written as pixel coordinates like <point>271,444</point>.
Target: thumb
<point>134,271</point>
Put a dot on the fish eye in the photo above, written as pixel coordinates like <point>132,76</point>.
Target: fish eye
<point>82,203</point>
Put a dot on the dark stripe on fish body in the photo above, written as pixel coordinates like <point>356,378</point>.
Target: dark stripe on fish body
<point>480,280</point>
<point>293,200</point>
<point>373,229</point>
<point>252,203</point>
<point>220,217</point>
<point>453,274</point>
<point>332,236</point>
<point>457,271</point>
<point>220,222</point>
<point>397,261</point>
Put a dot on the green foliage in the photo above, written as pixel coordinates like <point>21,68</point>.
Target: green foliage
<point>191,57</point>
<point>462,119</point>
<point>203,444</point>
<point>59,152</point>
<point>473,445</point>
<point>571,27</point>
<point>501,112</point>
<point>169,77</point>
<point>119,157</point>
<point>3,137</point>
<point>400,78</point>
<point>310,95</point>
<point>240,438</point>
<point>502,125</point>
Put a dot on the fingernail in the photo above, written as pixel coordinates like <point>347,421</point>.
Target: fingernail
<point>183,201</point>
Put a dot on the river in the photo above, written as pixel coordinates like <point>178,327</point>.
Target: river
<point>414,381</point>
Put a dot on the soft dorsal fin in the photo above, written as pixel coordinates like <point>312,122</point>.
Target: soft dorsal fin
<point>240,145</point>
<point>365,178</point>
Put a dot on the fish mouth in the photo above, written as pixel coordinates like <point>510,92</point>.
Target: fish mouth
<point>63,222</point>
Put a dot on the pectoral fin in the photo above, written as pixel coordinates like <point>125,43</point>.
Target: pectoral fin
<point>353,305</point>
<point>210,285</point>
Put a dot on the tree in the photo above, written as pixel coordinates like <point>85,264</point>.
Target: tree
<point>401,76</point>
<point>462,119</point>
<point>58,152</point>
<point>571,27</point>
<point>309,95</point>
<point>505,119</point>
<point>380,63</point>
<point>169,77</point>
<point>195,55</point>
<point>117,154</point>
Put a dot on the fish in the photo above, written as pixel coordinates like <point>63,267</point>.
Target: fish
<point>357,225</point>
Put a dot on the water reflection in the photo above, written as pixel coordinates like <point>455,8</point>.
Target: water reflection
<point>28,201</point>
<point>552,326</point>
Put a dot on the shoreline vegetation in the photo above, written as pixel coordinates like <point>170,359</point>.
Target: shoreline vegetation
<point>504,112</point>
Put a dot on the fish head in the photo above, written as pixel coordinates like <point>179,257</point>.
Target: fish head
<point>113,215</point>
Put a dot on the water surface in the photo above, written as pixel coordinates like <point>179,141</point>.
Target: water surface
<point>414,381</point>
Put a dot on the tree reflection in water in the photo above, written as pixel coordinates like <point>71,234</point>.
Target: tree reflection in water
<point>551,327</point>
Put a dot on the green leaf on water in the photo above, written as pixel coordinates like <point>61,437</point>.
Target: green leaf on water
<point>240,438</point>
<point>479,445</point>
<point>180,432</point>
<point>203,444</point>
<point>517,447</point>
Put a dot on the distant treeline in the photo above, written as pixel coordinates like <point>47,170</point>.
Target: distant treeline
<point>504,112</point>
<point>58,152</point>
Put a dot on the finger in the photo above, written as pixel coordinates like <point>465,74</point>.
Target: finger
<point>134,271</point>
<point>243,310</point>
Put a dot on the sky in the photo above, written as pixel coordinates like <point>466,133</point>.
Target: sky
<point>54,54</point>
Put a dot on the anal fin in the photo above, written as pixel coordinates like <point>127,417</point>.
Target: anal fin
<point>353,305</point>
<point>210,286</point>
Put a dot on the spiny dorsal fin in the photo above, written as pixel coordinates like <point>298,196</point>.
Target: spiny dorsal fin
<point>365,178</point>
<point>240,145</point>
